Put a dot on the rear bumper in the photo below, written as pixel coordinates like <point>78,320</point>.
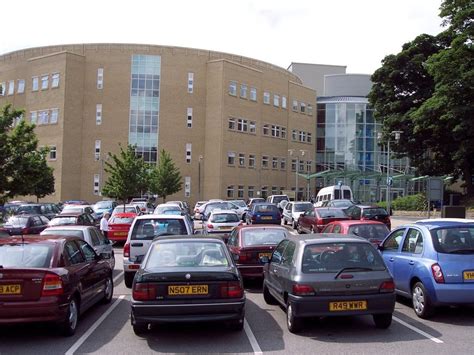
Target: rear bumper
<point>252,271</point>
<point>266,221</point>
<point>129,266</point>
<point>42,310</point>
<point>451,294</point>
<point>117,238</point>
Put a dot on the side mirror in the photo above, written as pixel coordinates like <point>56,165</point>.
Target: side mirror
<point>265,259</point>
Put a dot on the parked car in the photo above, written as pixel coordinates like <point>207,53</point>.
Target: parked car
<point>319,276</point>
<point>221,222</point>
<point>93,236</point>
<point>46,209</point>
<point>127,209</point>
<point>222,205</point>
<point>363,212</point>
<point>80,219</point>
<point>293,211</point>
<point>119,225</point>
<point>432,263</point>
<point>187,279</point>
<point>338,203</point>
<point>198,204</point>
<point>334,192</point>
<point>141,234</point>
<point>25,224</point>
<point>168,208</point>
<point>54,279</point>
<point>375,232</point>
<point>242,211</point>
<point>279,200</point>
<point>101,207</point>
<point>315,219</point>
<point>253,200</point>
<point>145,207</point>
<point>247,244</point>
<point>264,213</point>
<point>67,209</point>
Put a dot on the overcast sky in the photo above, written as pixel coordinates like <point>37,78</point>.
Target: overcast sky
<point>355,33</point>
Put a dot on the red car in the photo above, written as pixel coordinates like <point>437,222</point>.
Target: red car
<point>119,225</point>
<point>314,220</point>
<point>374,213</point>
<point>375,232</point>
<point>51,279</point>
<point>248,243</point>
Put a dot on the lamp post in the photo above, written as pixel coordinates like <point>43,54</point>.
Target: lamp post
<point>389,179</point>
<point>199,177</point>
<point>302,152</point>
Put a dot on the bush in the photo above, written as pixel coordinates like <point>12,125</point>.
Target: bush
<point>407,203</point>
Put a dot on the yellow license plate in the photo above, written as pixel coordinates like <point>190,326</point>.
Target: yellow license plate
<point>267,217</point>
<point>268,255</point>
<point>347,306</point>
<point>225,228</point>
<point>10,289</point>
<point>120,233</point>
<point>177,290</point>
<point>468,275</point>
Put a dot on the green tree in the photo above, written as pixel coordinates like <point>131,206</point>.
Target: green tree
<point>165,178</point>
<point>128,175</point>
<point>43,184</point>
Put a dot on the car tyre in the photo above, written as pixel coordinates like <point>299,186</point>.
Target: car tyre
<point>267,296</point>
<point>285,221</point>
<point>294,225</point>
<point>382,321</point>
<point>109,290</point>
<point>294,323</point>
<point>128,278</point>
<point>69,325</point>
<point>421,301</point>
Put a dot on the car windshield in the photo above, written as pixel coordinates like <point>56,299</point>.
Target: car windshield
<point>103,204</point>
<point>25,255</point>
<point>60,221</point>
<point>369,231</point>
<point>262,236</point>
<point>147,229</point>
<point>29,209</point>
<point>224,218</point>
<point>239,203</point>
<point>17,221</point>
<point>331,213</point>
<point>301,207</point>
<point>121,220</point>
<point>333,257</point>
<point>371,212</point>
<point>277,199</point>
<point>66,232</point>
<point>187,254</point>
<point>72,209</point>
<point>341,204</point>
<point>121,209</point>
<point>164,209</point>
<point>266,208</point>
<point>454,240</point>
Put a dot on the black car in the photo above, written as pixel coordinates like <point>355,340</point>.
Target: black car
<point>46,209</point>
<point>25,224</point>
<point>187,279</point>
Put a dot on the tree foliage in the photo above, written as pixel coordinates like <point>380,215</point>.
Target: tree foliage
<point>165,178</point>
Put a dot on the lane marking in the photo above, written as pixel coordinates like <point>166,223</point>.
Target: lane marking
<point>419,331</point>
<point>117,277</point>
<point>94,326</point>
<point>252,339</point>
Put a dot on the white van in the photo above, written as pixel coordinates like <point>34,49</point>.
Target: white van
<point>334,192</point>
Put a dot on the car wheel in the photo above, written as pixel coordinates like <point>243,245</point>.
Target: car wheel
<point>69,324</point>
<point>382,321</point>
<point>294,324</point>
<point>128,278</point>
<point>294,224</point>
<point>244,217</point>
<point>267,296</point>
<point>109,290</point>
<point>284,221</point>
<point>421,301</point>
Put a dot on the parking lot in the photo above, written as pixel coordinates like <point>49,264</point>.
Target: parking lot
<point>106,329</point>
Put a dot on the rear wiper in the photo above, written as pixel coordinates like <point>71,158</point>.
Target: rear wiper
<point>352,269</point>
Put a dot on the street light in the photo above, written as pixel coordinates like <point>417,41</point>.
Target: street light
<point>397,135</point>
<point>199,177</point>
<point>302,152</point>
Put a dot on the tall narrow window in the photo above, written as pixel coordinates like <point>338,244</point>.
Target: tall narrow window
<point>293,164</point>
<point>295,105</point>
<point>96,184</point>
<point>283,102</point>
<point>283,132</point>
<point>34,83</point>
<point>33,117</point>
<point>283,163</point>
<point>97,150</point>
<point>43,117</point>
<point>266,98</point>
<point>252,127</point>
<point>302,107</point>
<point>276,100</point>
<point>98,114</point>
<point>21,86</point>
<point>233,88</point>
<point>265,162</point>
<point>2,89</point>
<point>54,80</point>
<point>243,91</point>
<point>11,87</point>
<point>266,130</point>
<point>310,109</point>
<point>274,163</point>
<point>251,191</point>
<point>251,161</point>
<point>190,117</point>
<point>241,159</point>
<point>44,82</point>
<point>54,115</point>
<point>100,78</point>
<point>230,158</point>
<point>187,186</point>
<point>253,94</point>
<point>52,152</point>
<point>190,83</point>
<point>188,152</point>
<point>240,191</point>
<point>232,124</point>
<point>230,191</point>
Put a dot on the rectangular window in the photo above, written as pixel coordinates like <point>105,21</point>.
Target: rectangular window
<point>187,186</point>
<point>240,191</point>
<point>283,164</point>
<point>52,152</point>
<point>252,127</point>
<point>266,130</point>
<point>190,83</point>
<point>266,98</point>
<point>274,163</point>
<point>265,162</point>
<point>301,166</point>
<point>310,109</point>
<point>230,158</point>
<point>283,132</point>
<point>100,78</point>
<point>33,117</point>
<point>251,191</point>
<point>98,114</point>
<point>230,191</point>
<point>253,94</point>
<point>295,105</point>
<point>283,102</point>
<point>274,190</point>
<point>276,100</point>
<point>96,184</point>
<point>302,136</point>
<point>308,166</point>
<point>190,117</point>
<point>293,164</point>
<point>243,91</point>
<point>2,89</point>
<point>308,137</point>
<point>54,115</point>
<point>264,191</point>
<point>34,83</point>
<point>21,86</point>
<point>97,150</point>
<point>44,82</point>
<point>233,88</point>
<point>11,87</point>
<point>302,107</point>
<point>188,152</point>
<point>43,117</point>
<point>242,125</point>
<point>241,159</point>
<point>294,135</point>
<point>251,161</point>
<point>275,131</point>
<point>232,123</point>
<point>54,80</point>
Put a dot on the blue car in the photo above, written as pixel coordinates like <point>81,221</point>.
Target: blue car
<point>104,206</point>
<point>263,213</point>
<point>432,263</point>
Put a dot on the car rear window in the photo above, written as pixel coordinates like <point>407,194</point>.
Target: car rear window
<point>455,240</point>
<point>277,199</point>
<point>72,210</point>
<point>333,257</point>
<point>121,220</point>
<point>187,254</point>
<point>301,207</point>
<point>29,209</point>
<point>103,204</point>
<point>67,232</point>
<point>266,208</point>
<point>370,212</point>
<point>168,210</point>
<point>147,229</point>
<point>25,255</point>
<point>331,213</point>
<point>58,221</point>
<point>262,236</point>
<point>224,218</point>
<point>18,221</point>
<point>369,231</point>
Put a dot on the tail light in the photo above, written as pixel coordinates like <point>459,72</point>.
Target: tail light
<point>126,250</point>
<point>52,285</point>
<point>387,287</point>
<point>232,289</point>
<point>243,257</point>
<point>210,226</point>
<point>144,292</point>
<point>437,273</point>
<point>303,290</point>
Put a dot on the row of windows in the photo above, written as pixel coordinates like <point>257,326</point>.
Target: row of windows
<point>37,83</point>
<point>275,163</point>
<point>44,117</point>
<point>238,191</point>
<point>301,136</point>
<point>52,152</point>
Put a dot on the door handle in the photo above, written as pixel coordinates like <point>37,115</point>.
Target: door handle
<point>391,259</point>
<point>137,244</point>
<point>411,262</point>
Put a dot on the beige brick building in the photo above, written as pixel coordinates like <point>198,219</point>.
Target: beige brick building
<point>235,126</point>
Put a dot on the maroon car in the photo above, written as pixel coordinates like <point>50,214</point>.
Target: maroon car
<point>314,220</point>
<point>375,232</point>
<point>25,224</point>
<point>51,279</point>
<point>79,219</point>
<point>248,243</point>
<point>365,213</point>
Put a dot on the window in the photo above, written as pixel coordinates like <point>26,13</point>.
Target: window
<point>393,242</point>
<point>21,86</point>
<point>33,117</point>
<point>190,83</point>
<point>266,130</point>
<point>43,117</point>
<point>242,125</point>
<point>310,109</point>
<point>89,253</point>
<point>54,115</point>
<point>276,100</point>
<point>187,186</point>
<point>188,152</point>
<point>294,134</point>
<point>2,89</point>
<point>274,165</point>
<point>264,191</point>
<point>295,105</point>
<point>73,254</point>
<point>252,127</point>
<point>243,91</point>
<point>96,184</point>
<point>274,190</point>
<point>97,150</point>
<point>283,164</point>
<point>232,123</point>
<point>100,78</point>
<point>251,191</point>
<point>302,107</point>
<point>230,191</point>
<point>302,136</point>
<point>293,164</point>
<point>240,191</point>
<point>251,161</point>
<point>283,102</point>
<point>253,94</point>
<point>230,158</point>
<point>308,166</point>
<point>283,132</point>
<point>275,131</point>
<point>11,87</point>
<point>233,88</point>
<point>52,152</point>
<point>241,159</point>
<point>266,98</point>
<point>413,242</point>
<point>308,137</point>
<point>265,162</point>
<point>98,114</point>
<point>301,166</point>
<point>190,117</point>
<point>44,82</point>
<point>55,80</point>
<point>287,258</point>
<point>34,83</point>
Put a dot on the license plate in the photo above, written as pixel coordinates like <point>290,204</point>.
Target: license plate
<point>268,255</point>
<point>177,290</point>
<point>267,217</point>
<point>225,228</point>
<point>468,275</point>
<point>10,289</point>
<point>347,306</point>
<point>120,233</point>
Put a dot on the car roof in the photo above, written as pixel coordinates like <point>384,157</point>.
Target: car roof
<point>27,215</point>
<point>72,227</point>
<point>262,226</point>
<point>158,216</point>
<point>188,238</point>
<point>444,222</point>
<point>125,214</point>
<point>36,239</point>
<point>69,214</point>
<point>351,222</point>
<point>218,211</point>
<point>322,238</point>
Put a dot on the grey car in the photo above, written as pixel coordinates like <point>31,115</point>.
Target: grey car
<point>328,275</point>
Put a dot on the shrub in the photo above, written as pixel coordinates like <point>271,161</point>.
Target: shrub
<point>407,203</point>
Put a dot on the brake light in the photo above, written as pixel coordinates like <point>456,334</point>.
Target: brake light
<point>387,287</point>
<point>243,257</point>
<point>303,290</point>
<point>232,289</point>
<point>52,285</point>
<point>126,250</point>
<point>437,273</point>
<point>144,292</point>
<point>210,226</point>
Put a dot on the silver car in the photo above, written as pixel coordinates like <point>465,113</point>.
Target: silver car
<point>293,211</point>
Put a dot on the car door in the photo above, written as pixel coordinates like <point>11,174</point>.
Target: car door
<point>93,240</point>
<point>105,246</point>
<point>391,247</point>
<point>287,212</point>
<point>406,259</point>
<point>304,221</point>
<point>275,280</point>
<point>36,226</point>
<point>285,267</point>
<point>78,268</point>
